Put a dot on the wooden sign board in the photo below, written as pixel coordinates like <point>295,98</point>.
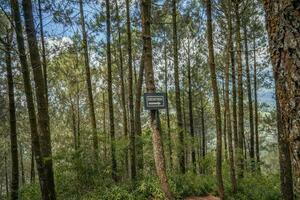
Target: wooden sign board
<point>155,101</point>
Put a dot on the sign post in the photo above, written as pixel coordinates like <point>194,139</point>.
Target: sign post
<point>155,101</point>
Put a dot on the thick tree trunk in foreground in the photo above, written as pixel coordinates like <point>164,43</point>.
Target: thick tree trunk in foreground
<point>110,96</point>
<point>283,26</point>
<point>150,84</point>
<point>88,80</point>
<point>180,152</point>
<point>251,122</point>
<point>47,193</point>
<point>130,95</point>
<point>214,83</point>
<point>42,105</point>
<point>14,187</point>
<point>240,152</point>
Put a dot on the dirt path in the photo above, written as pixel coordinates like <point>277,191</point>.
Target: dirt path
<point>203,198</point>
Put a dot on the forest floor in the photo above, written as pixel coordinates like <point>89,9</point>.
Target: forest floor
<point>203,198</point>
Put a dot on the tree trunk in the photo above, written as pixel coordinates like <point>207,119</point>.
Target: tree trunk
<point>110,96</point>
<point>88,81</point>
<point>228,116</point>
<point>130,95</point>
<point>44,60</point>
<point>233,79</point>
<point>225,120</point>
<point>167,109</point>
<point>256,109</point>
<point>14,187</point>
<point>104,125</point>
<point>211,61</point>
<point>137,114</point>
<point>150,84</point>
<point>123,98</point>
<point>251,122</point>
<point>22,165</point>
<point>283,25</point>
<point>240,152</point>
<point>44,182</point>
<point>180,152</point>
<point>203,127</point>
<point>191,116</point>
<point>6,177</point>
<point>32,166</point>
<point>43,116</point>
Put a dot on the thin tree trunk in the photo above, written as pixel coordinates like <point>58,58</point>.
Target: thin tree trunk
<point>104,125</point>
<point>44,182</point>
<point>123,99</point>
<point>6,177</point>
<point>137,114</point>
<point>167,109</point>
<point>22,164</point>
<point>203,128</point>
<point>150,84</point>
<point>240,151</point>
<point>73,116</point>
<point>191,116</point>
<point>110,96</point>
<point>225,121</point>
<point>256,108</point>
<point>233,79</point>
<point>130,95</point>
<point>14,188</point>
<point>44,60</point>
<point>251,122</point>
<point>88,80</point>
<point>216,100</point>
<point>228,117</point>
<point>32,166</point>
<point>181,156</point>
<point>283,25</point>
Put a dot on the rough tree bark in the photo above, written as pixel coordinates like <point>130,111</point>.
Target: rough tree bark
<point>211,62</point>
<point>283,26</point>
<point>150,85</point>
<point>180,152</point>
